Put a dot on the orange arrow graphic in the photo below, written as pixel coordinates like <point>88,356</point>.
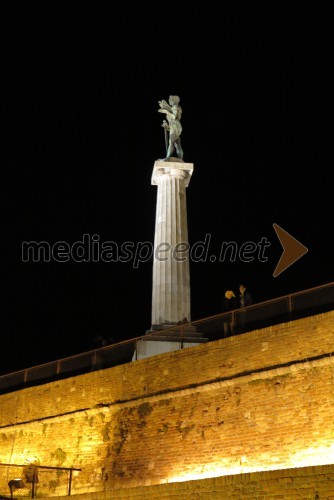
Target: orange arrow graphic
<point>292,250</point>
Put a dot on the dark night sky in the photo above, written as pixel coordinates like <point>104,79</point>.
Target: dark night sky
<point>80,96</point>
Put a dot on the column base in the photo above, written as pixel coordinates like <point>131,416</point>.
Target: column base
<point>161,339</point>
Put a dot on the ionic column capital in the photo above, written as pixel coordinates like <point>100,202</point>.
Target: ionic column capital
<point>178,169</point>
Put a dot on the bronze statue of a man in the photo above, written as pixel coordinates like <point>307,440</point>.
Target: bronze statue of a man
<point>173,125</point>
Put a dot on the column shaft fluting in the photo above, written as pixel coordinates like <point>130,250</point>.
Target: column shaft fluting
<point>171,277</point>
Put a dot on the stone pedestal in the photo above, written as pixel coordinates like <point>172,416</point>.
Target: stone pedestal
<point>171,280</point>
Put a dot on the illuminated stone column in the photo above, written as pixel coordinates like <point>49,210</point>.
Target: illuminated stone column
<point>171,277</point>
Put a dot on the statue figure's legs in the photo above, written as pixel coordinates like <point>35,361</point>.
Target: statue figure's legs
<point>178,148</point>
<point>170,150</point>
<point>174,144</point>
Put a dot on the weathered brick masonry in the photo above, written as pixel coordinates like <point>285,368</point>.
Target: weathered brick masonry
<point>259,401</point>
<point>307,483</point>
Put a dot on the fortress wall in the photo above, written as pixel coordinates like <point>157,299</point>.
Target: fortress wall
<point>259,401</point>
<point>307,483</point>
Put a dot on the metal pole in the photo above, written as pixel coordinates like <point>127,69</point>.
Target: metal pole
<point>290,307</point>
<point>70,483</point>
<point>33,484</point>
<point>94,360</point>
<point>181,337</point>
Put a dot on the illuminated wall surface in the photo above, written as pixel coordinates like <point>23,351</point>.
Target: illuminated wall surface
<point>256,402</point>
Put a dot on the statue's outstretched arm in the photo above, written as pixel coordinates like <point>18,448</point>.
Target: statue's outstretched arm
<point>165,105</point>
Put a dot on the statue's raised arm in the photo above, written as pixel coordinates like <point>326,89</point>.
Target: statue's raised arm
<point>164,105</point>
<point>173,112</point>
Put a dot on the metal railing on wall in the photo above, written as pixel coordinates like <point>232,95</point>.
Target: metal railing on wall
<point>33,481</point>
<point>260,315</point>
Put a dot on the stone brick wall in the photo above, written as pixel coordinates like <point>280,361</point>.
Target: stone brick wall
<point>308,483</point>
<point>259,401</point>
